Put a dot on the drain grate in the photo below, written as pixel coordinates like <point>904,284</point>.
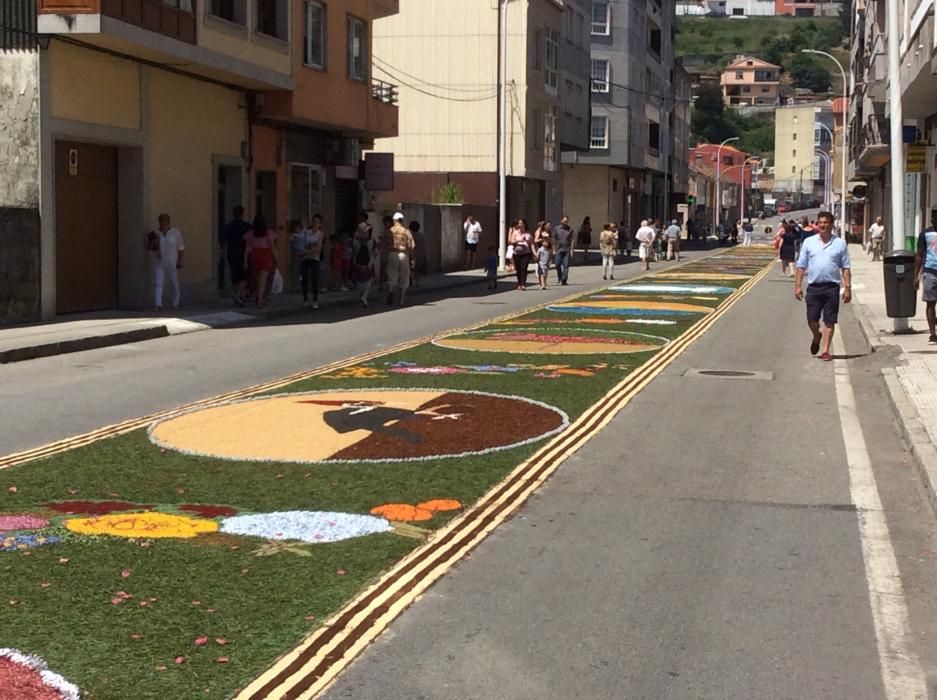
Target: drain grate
<point>754,375</point>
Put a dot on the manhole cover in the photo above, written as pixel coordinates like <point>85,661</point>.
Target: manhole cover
<point>755,375</point>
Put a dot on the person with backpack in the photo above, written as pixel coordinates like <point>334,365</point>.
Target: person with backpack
<point>363,271</point>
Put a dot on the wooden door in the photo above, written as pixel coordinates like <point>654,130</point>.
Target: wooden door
<point>85,227</point>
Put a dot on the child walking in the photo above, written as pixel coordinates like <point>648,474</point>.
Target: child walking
<point>544,256</point>
<point>363,271</point>
<point>491,268</point>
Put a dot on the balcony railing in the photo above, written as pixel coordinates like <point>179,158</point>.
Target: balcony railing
<point>384,92</point>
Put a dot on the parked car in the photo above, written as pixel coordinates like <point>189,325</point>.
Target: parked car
<point>784,208</point>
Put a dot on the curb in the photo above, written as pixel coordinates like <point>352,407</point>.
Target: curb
<point>872,337</point>
<point>914,434</point>
<point>161,330</point>
<point>92,342</point>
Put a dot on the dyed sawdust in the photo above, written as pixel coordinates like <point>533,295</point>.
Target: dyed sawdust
<point>553,343</point>
<point>337,426</point>
<point>145,525</point>
<point>95,507</point>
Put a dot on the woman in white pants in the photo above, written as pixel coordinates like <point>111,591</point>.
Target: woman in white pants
<point>608,246</point>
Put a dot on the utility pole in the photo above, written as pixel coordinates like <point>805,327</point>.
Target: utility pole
<point>502,132</point>
<point>892,37</point>
<point>717,214</point>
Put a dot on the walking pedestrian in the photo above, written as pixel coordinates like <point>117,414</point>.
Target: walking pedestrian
<point>398,260</point>
<point>926,278</point>
<point>418,258</point>
<point>473,232</point>
<point>585,238</point>
<point>491,268</point>
<point>562,241</point>
<point>645,236</point>
<point>876,239</point>
<point>311,256</point>
<point>522,242</point>
<point>509,251</point>
<point>787,248</point>
<point>232,237</point>
<point>544,257</point>
<point>363,272</point>
<point>673,240</point>
<point>608,246</point>
<point>747,230</point>
<point>825,261</point>
<point>259,250</point>
<point>169,248</point>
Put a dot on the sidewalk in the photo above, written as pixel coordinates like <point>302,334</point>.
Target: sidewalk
<point>107,328</point>
<point>912,385</point>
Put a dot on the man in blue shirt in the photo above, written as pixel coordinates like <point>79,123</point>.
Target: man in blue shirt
<point>825,260</point>
<point>926,264</point>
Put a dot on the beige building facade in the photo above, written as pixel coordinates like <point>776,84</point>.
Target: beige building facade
<point>750,81</point>
<point>795,164</point>
<point>448,130</point>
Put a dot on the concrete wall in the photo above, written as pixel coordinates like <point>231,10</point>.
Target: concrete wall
<point>19,186</point>
<point>442,228</point>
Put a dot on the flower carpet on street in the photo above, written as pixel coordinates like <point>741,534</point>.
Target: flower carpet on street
<point>182,558</point>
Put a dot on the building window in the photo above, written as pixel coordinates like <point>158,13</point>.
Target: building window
<point>738,75</point>
<point>552,66</point>
<point>793,170</point>
<point>738,11</point>
<point>653,136</point>
<point>794,136</point>
<point>601,18</point>
<point>600,74</point>
<point>537,53</point>
<point>356,47</point>
<point>570,29</point>
<point>314,44</point>
<point>581,39</point>
<point>794,154</point>
<point>549,140</point>
<point>599,131</point>
<point>230,10</point>
<point>746,88</point>
<point>764,89</point>
<point>653,40</point>
<point>273,18</point>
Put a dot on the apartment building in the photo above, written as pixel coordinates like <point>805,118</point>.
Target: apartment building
<point>799,173</point>
<point>630,164</point>
<point>868,114</point>
<point>750,81</point>
<point>732,168</point>
<point>189,107</point>
<point>449,121</point>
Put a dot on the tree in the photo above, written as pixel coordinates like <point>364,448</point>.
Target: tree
<point>709,119</point>
<point>808,73</point>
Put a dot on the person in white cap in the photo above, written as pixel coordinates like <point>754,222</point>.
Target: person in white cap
<point>673,240</point>
<point>645,236</point>
<point>398,259</point>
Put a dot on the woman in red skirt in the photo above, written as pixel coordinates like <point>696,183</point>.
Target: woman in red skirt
<point>259,248</point>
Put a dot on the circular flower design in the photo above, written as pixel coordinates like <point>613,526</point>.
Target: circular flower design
<point>307,526</point>
<point>155,525</point>
<point>22,522</point>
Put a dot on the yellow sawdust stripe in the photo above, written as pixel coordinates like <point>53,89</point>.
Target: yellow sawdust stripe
<point>128,426</point>
<point>558,450</point>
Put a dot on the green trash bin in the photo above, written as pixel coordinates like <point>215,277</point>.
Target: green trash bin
<point>900,294</point>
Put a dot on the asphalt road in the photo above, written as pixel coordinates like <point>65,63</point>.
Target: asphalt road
<point>52,398</point>
<point>706,544</point>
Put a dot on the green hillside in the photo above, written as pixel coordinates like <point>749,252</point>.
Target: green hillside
<point>708,43</point>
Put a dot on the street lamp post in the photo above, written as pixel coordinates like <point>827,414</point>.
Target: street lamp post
<point>827,180</point>
<point>842,189</point>
<point>742,202</point>
<point>829,194</point>
<point>717,214</point>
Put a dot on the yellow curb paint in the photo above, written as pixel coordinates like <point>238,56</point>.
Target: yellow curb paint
<point>586,427</point>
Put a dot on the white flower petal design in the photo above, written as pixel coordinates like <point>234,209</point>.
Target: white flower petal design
<point>307,526</point>
<point>68,691</point>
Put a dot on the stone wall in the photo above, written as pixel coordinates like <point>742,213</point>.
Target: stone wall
<point>19,185</point>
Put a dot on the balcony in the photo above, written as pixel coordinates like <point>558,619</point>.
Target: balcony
<point>167,31</point>
<point>386,8</point>
<point>171,18</point>
<point>872,150</point>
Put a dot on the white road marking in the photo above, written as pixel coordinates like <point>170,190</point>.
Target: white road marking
<point>902,674</point>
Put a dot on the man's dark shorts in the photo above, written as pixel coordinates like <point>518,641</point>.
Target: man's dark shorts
<point>823,300</point>
<point>929,286</point>
<point>471,246</point>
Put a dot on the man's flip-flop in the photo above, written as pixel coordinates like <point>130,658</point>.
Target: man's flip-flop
<point>826,357</point>
<point>814,347</point>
